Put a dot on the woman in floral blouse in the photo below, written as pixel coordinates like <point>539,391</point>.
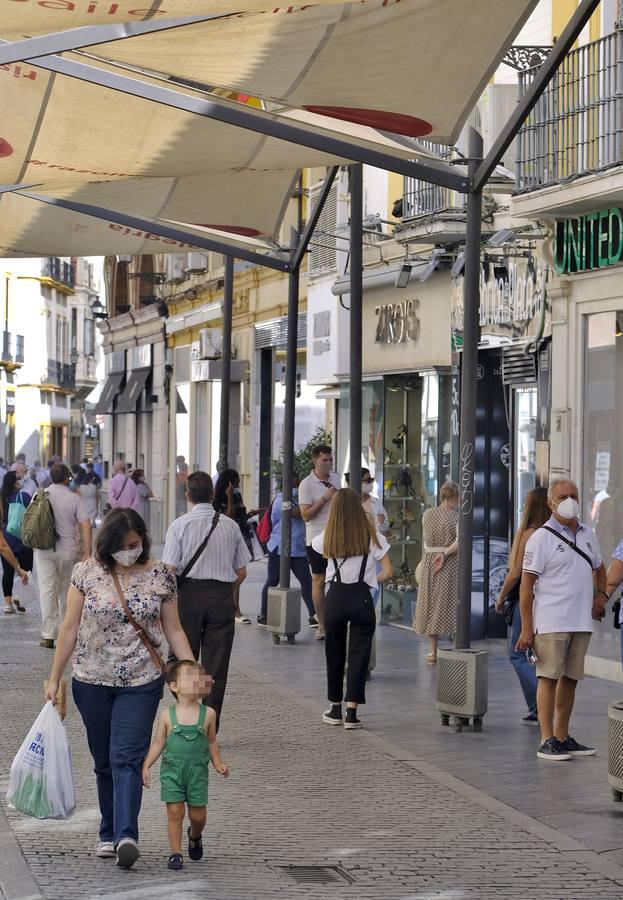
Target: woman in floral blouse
<point>116,683</point>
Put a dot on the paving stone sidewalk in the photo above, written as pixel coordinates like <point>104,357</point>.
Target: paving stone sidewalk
<point>300,793</point>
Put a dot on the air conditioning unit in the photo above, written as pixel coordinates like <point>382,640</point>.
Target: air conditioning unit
<point>209,344</point>
<point>125,259</point>
<point>615,749</point>
<point>174,267</point>
<point>462,686</point>
<point>283,614</point>
<point>196,262</point>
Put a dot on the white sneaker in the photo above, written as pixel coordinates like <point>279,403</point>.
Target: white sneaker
<point>127,853</point>
<point>106,850</point>
<point>320,633</point>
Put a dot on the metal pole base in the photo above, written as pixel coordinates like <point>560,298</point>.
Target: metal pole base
<point>462,689</point>
<point>284,613</point>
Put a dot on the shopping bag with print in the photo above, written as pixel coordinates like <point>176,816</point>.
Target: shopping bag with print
<point>41,782</point>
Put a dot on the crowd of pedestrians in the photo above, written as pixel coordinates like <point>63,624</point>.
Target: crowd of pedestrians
<point>117,611</point>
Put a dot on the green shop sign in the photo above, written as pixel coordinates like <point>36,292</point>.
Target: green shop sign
<point>593,241</point>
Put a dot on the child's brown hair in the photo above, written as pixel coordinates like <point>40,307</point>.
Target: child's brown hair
<point>173,670</point>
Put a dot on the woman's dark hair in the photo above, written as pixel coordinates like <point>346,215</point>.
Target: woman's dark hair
<point>117,524</point>
<point>8,488</point>
<point>227,477</point>
<point>91,476</point>
<point>136,475</point>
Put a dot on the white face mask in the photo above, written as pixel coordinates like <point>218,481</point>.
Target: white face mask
<point>568,508</point>
<point>127,557</point>
<point>367,487</point>
<point>324,468</point>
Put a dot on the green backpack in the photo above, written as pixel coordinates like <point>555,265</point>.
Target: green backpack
<point>38,530</point>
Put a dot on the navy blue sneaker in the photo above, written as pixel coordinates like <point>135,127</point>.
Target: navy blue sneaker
<point>176,862</point>
<point>570,745</point>
<point>552,749</point>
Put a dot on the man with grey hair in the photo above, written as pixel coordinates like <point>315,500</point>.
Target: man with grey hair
<point>563,591</point>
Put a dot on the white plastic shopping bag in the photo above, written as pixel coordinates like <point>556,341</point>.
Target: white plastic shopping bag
<point>27,594</point>
<point>41,782</point>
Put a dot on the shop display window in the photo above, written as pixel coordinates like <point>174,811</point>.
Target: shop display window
<point>415,463</point>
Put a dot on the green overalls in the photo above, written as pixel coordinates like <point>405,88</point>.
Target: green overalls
<point>185,762</point>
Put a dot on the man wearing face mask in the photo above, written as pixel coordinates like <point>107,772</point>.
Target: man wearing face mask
<point>563,591</point>
<point>315,495</point>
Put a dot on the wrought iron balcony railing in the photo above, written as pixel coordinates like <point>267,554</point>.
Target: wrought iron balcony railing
<point>576,128</point>
<point>61,374</point>
<point>423,199</point>
<point>59,271</point>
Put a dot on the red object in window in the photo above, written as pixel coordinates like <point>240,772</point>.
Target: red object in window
<point>232,229</point>
<point>5,148</point>
<point>397,123</point>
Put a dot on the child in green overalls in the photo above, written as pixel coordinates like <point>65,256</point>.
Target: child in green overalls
<point>187,735</point>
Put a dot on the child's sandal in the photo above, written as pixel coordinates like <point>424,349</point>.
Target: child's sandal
<point>195,846</point>
<point>176,862</point>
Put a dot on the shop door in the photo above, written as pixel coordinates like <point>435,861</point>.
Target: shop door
<point>491,501</point>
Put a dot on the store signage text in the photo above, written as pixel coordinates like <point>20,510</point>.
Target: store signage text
<point>508,302</point>
<point>593,241</point>
<point>397,322</point>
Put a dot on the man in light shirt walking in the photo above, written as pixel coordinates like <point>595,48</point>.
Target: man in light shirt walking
<point>315,495</point>
<point>210,556</point>
<point>562,594</point>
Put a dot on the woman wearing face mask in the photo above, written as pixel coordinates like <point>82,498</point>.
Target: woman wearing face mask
<point>16,559</point>
<point>298,555</point>
<point>116,677</point>
<point>228,501</point>
<point>145,493</point>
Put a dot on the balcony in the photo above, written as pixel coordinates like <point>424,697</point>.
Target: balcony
<point>576,128</point>
<point>12,350</point>
<point>61,273</point>
<point>431,214</point>
<point>61,375</point>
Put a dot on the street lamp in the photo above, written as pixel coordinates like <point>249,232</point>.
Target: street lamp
<point>98,310</point>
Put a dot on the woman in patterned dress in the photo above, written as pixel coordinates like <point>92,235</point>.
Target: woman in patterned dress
<point>116,683</point>
<point>437,593</point>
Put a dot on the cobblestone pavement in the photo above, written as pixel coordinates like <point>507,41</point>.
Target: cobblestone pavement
<point>300,793</point>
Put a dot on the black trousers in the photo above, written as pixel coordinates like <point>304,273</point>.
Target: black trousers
<point>24,558</point>
<point>344,608</point>
<point>207,617</point>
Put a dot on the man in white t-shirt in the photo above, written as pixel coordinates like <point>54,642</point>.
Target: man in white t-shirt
<point>563,590</point>
<point>315,495</point>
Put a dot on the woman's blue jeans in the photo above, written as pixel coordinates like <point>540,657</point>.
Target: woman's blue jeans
<point>526,672</point>
<point>119,723</point>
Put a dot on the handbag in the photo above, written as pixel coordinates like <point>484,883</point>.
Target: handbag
<point>156,658</point>
<point>510,603</point>
<point>15,516</point>
<point>616,610</point>
<point>204,543</point>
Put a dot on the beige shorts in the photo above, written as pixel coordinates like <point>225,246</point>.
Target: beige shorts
<point>561,653</point>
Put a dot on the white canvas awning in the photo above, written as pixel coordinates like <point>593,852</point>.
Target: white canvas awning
<point>143,126</point>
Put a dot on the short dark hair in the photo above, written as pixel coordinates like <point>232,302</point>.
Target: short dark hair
<point>199,487</point>
<point>59,473</point>
<point>111,536</point>
<point>320,449</point>
<point>173,669</point>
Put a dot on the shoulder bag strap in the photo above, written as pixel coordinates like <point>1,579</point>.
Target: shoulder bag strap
<point>570,544</point>
<point>200,549</point>
<point>157,660</point>
<point>362,570</point>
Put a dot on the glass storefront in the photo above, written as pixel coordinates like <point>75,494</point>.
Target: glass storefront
<point>524,447</point>
<point>405,444</point>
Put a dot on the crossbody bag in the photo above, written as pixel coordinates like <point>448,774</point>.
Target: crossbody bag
<point>569,543</point>
<point>144,637</point>
<point>204,543</point>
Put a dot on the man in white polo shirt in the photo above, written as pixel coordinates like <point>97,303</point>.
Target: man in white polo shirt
<point>563,590</point>
<point>315,495</point>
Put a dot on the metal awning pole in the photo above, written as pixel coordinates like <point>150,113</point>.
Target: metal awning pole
<point>471,303</point>
<point>356,298</point>
<point>228,304</point>
<point>288,423</point>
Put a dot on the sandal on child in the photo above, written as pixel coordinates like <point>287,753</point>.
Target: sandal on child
<point>195,846</point>
<point>176,862</point>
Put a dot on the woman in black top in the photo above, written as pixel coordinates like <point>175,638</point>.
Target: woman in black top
<point>228,501</point>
